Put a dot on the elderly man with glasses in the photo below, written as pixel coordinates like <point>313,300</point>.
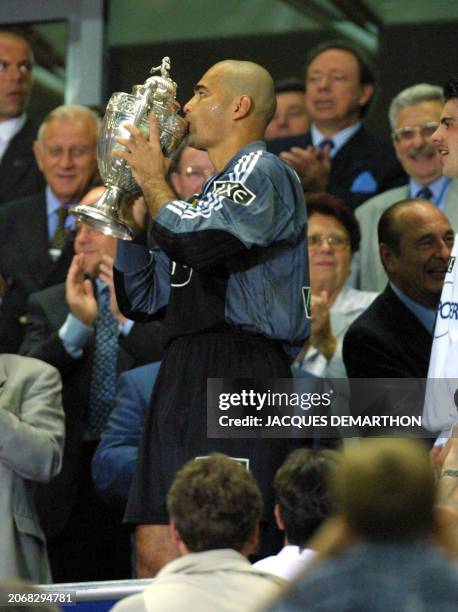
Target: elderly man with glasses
<point>414,116</point>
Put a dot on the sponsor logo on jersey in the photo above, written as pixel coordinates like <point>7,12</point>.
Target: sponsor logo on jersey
<point>307,299</point>
<point>235,191</point>
<point>448,310</point>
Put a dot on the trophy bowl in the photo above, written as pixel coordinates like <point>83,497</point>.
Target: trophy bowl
<point>158,95</point>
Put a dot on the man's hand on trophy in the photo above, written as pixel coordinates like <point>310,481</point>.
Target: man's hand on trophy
<point>80,293</point>
<point>147,163</point>
<point>143,155</point>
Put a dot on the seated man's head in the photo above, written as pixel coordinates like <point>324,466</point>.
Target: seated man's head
<point>384,489</point>
<point>302,491</point>
<point>214,503</point>
<point>89,242</point>
<point>290,116</point>
<point>189,171</point>
<point>414,117</point>
<point>415,242</point>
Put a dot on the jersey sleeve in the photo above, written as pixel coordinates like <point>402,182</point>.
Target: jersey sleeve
<point>142,281</point>
<point>246,207</point>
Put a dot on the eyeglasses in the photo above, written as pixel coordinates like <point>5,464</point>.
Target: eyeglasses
<point>338,243</point>
<point>197,172</point>
<point>406,134</point>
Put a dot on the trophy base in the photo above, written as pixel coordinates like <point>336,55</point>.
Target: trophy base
<point>102,222</point>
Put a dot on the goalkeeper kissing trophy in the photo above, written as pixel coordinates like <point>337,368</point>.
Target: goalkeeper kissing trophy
<point>157,95</point>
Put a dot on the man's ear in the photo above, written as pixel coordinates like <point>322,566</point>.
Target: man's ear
<point>252,542</point>
<point>38,152</point>
<point>278,518</point>
<point>387,256</point>
<point>243,107</point>
<point>367,91</point>
<point>174,535</point>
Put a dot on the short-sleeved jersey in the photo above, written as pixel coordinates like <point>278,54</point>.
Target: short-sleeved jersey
<point>234,256</point>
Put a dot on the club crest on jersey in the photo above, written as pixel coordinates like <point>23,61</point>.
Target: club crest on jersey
<point>307,299</point>
<point>235,191</point>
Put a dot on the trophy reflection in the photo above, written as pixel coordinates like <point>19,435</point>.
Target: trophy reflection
<point>157,95</point>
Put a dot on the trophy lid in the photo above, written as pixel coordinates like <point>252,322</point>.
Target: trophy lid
<point>162,86</point>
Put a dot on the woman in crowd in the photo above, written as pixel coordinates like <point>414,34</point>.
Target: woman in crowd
<point>333,237</point>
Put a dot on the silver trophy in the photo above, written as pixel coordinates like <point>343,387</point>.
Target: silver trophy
<point>157,95</point>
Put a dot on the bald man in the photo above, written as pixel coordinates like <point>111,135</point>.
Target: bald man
<point>229,278</point>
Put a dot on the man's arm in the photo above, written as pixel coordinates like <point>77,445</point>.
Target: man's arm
<point>31,420</point>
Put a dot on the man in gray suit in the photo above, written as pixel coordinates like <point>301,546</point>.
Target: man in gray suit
<point>414,116</point>
<point>31,446</point>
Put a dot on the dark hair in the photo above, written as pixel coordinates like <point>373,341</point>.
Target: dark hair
<point>327,204</point>
<point>367,73</point>
<point>451,89</point>
<point>301,487</point>
<point>289,84</point>
<point>214,503</point>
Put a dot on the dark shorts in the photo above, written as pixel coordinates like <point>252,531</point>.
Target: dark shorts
<point>175,425</point>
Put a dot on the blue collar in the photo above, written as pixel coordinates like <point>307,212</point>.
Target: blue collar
<point>339,139</point>
<point>426,316</point>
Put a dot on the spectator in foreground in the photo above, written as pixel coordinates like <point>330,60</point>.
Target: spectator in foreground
<point>385,493</point>
<point>303,503</point>
<point>214,506</point>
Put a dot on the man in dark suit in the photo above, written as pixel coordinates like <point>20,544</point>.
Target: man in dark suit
<point>19,174</point>
<point>68,327</point>
<point>35,232</point>
<point>338,155</point>
<point>393,337</point>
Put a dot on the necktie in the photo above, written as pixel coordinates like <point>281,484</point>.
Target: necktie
<point>103,377</point>
<point>60,236</point>
<point>327,142</point>
<point>425,194</point>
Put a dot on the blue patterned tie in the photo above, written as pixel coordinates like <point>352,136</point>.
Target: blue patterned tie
<point>103,378</point>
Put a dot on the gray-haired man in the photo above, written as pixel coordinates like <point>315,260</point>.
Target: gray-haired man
<point>414,116</point>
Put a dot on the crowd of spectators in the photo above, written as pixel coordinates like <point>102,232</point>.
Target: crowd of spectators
<point>81,377</point>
